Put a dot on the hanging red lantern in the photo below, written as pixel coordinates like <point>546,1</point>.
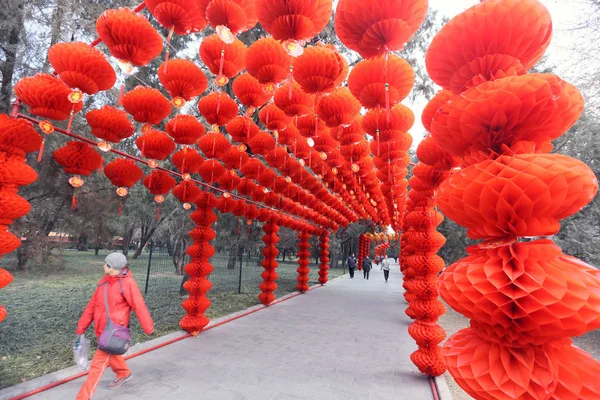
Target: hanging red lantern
<point>186,192</point>
<point>123,173</point>
<point>270,253</point>
<point>218,108</point>
<point>179,16</point>
<point>182,79</point>
<point>400,118</point>
<point>223,60</point>
<point>294,22</point>
<point>159,183</point>
<point>242,128</point>
<point>236,16</point>
<point>440,99</point>
<point>214,145</point>
<point>293,101</point>
<point>491,53</point>
<point>211,170</point>
<point>229,181</point>
<point>81,66</point>
<point>235,157</point>
<point>249,91</point>
<point>47,97</point>
<point>78,158</point>
<point>146,105</point>
<point>311,126</point>
<point>18,136</point>
<point>185,129</point>
<point>129,36</point>
<point>262,143</point>
<point>338,108</point>
<point>303,261</point>
<point>372,29</point>
<point>273,118</point>
<point>187,160</point>
<point>155,145</point>
<point>319,69</point>
<point>268,62</point>
<point>381,82</point>
<point>110,124</point>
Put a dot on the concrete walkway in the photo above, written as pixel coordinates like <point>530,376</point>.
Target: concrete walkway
<point>347,340</point>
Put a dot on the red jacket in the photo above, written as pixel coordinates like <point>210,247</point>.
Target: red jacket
<point>120,304</point>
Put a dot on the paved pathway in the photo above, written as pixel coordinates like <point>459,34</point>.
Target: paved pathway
<point>347,340</point>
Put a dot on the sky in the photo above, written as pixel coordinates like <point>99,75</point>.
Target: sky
<point>565,14</point>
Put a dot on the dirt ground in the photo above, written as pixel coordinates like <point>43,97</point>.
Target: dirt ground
<point>453,322</point>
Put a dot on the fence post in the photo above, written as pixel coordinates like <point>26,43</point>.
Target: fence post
<point>149,264</point>
<point>241,257</point>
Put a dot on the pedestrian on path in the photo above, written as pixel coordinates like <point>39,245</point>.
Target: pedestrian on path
<point>367,265</point>
<point>116,295</point>
<point>385,267</point>
<point>351,265</point>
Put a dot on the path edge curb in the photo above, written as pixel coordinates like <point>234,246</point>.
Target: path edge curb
<point>442,387</point>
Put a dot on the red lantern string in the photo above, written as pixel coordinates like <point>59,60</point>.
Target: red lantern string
<point>303,261</point>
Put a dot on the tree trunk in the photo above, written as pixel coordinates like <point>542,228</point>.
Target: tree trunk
<point>284,254</point>
<point>12,11</point>
<point>148,232</point>
<point>57,22</point>
<point>127,239</point>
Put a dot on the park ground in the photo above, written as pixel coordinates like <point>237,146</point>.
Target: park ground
<point>43,309</point>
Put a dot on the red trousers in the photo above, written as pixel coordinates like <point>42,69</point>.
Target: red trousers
<point>100,361</point>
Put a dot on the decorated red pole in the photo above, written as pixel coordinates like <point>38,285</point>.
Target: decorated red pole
<point>303,261</point>
<point>269,262</point>
<point>324,259</point>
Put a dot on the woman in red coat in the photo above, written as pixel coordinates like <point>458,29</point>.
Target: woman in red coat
<point>124,296</point>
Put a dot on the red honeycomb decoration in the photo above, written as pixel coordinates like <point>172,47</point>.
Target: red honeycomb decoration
<point>129,36</point>
<point>373,28</point>
<point>186,192</point>
<point>303,261</point>
<point>269,262</point>
<point>338,108</point>
<point>17,137</point>
<point>268,62</point>
<point>185,129</point>
<point>146,105</point>
<point>155,145</point>
<point>183,79</point>
<point>180,16</point>
<point>123,173</point>
<point>236,15</point>
<point>273,117</point>
<point>525,298</point>
<point>319,70</point>
<point>199,267</point>
<point>47,97</point>
<point>218,108</point>
<point>187,160</point>
<point>249,91</point>
<point>110,124</point>
<point>293,101</point>
<point>324,258</point>
<point>295,21</point>
<point>221,58</point>
<point>82,66</point>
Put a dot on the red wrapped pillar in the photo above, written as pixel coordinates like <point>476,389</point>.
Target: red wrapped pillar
<point>324,259</point>
<point>269,262</point>
<point>199,267</point>
<point>303,261</point>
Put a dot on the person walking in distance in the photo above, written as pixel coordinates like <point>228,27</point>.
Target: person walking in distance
<point>116,295</point>
<point>367,265</point>
<point>385,267</point>
<point>351,265</point>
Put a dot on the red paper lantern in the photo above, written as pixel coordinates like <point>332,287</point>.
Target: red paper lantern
<point>18,136</point>
<point>78,158</point>
<point>146,105</point>
<point>262,143</point>
<point>382,81</point>
<point>81,66</point>
<point>47,97</point>
<point>185,129</point>
<point>236,15</point>
<point>400,118</point>
<point>182,16</point>
<point>440,99</point>
<point>211,170</point>
<point>182,79</point>
<point>296,20</point>
<point>319,69</point>
<point>234,158</point>
<point>270,253</point>
<point>338,108</point>
<point>274,118</point>
<point>129,36</point>
<point>374,28</point>
<point>214,145</point>
<point>218,108</point>
<point>249,91</point>
<point>222,58</point>
<point>186,192</point>
<point>159,182</point>
<point>430,153</point>
<point>110,124</point>
<point>293,101</point>
<point>242,129</point>
<point>303,261</point>
<point>155,145</point>
<point>123,172</point>
<point>187,160</point>
<point>268,62</point>
<point>324,258</point>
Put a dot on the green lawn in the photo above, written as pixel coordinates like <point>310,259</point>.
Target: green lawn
<point>35,338</point>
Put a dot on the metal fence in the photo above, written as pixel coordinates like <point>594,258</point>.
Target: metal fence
<point>240,273</point>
